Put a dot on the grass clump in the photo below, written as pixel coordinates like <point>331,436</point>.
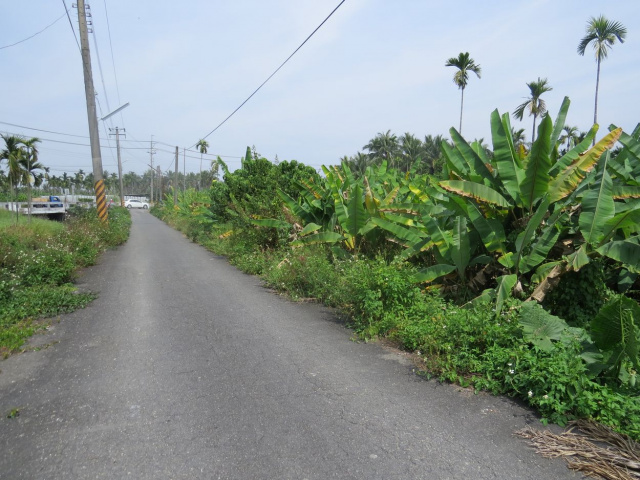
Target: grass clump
<point>39,260</point>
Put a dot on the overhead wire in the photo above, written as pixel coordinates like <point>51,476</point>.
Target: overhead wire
<point>35,34</point>
<point>270,76</point>
<point>71,24</point>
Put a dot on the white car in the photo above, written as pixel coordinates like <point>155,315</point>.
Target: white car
<point>136,204</point>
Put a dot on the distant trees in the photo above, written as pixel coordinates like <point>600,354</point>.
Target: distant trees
<point>404,153</point>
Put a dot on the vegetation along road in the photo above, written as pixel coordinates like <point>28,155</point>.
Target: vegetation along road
<point>186,368</point>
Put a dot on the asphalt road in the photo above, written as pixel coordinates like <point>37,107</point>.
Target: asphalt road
<point>185,368</point>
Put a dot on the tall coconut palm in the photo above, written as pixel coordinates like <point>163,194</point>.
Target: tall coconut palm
<point>602,34</point>
<point>534,104</point>
<point>464,64</point>
<point>202,147</point>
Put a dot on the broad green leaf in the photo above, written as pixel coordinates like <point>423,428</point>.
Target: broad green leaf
<point>310,228</point>
<point>631,145</point>
<point>357,214</point>
<point>540,327</point>
<point>505,157</point>
<point>490,230</point>
<point>568,179</point>
<point>574,154</point>
<point>477,191</point>
<point>430,274</point>
<point>454,160</point>
<point>536,180</point>
<point>423,244</point>
<point>628,220</point>
<point>615,326</point>
<point>460,248</point>
<point>560,121</point>
<point>478,171</point>
<point>579,258</point>
<point>411,235</point>
<point>597,207</point>
<point>507,260</point>
<point>524,239</point>
<point>543,271</point>
<point>439,237</point>
<point>504,289</point>
<point>540,249</point>
<point>624,251</point>
<point>621,192</point>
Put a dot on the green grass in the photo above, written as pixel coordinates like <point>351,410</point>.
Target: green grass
<point>39,260</point>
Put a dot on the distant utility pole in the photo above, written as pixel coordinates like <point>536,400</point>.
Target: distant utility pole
<point>91,114</point>
<point>117,134</point>
<point>151,152</point>
<point>175,184</point>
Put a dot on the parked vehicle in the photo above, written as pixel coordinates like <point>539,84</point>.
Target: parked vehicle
<point>136,204</point>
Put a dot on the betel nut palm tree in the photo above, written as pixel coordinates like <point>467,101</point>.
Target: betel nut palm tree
<point>202,146</point>
<point>534,104</point>
<point>602,34</point>
<point>465,64</point>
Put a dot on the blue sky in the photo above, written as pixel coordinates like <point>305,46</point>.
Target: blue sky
<point>374,66</point>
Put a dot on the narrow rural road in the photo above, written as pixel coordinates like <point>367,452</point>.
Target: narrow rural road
<point>185,368</point>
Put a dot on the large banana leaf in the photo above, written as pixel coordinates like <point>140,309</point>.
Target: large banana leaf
<point>621,192</point>
<point>357,216</point>
<point>628,220</point>
<point>477,191</point>
<point>503,290</point>
<point>441,238</point>
<point>454,161</point>
<point>505,157</point>
<point>536,181</point>
<point>524,239</point>
<point>460,248</point>
<point>433,272</point>
<point>560,121</point>
<point>568,179</point>
<point>540,249</point>
<point>597,206</point>
<point>490,230</point>
<point>632,145</point>
<point>478,171</point>
<point>574,154</point>
<point>626,251</point>
<point>295,208</point>
<point>411,235</point>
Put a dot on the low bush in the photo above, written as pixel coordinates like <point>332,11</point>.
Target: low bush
<point>39,259</point>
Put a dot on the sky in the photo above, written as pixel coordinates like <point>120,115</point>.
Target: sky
<point>374,66</point>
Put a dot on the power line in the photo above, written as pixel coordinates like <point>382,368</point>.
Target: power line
<point>269,78</point>
<point>37,33</point>
<point>45,131</point>
<point>71,23</point>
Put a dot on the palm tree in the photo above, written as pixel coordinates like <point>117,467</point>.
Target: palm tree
<point>202,146</point>
<point>602,33</point>
<point>534,104</point>
<point>384,146</point>
<point>411,150</point>
<point>12,153</point>
<point>29,163</point>
<point>432,153</point>
<point>464,64</point>
<point>518,136</point>
<point>570,135</point>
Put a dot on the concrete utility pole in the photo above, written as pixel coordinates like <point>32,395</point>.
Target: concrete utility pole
<point>119,164</point>
<point>91,114</point>
<point>151,152</point>
<point>175,184</point>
